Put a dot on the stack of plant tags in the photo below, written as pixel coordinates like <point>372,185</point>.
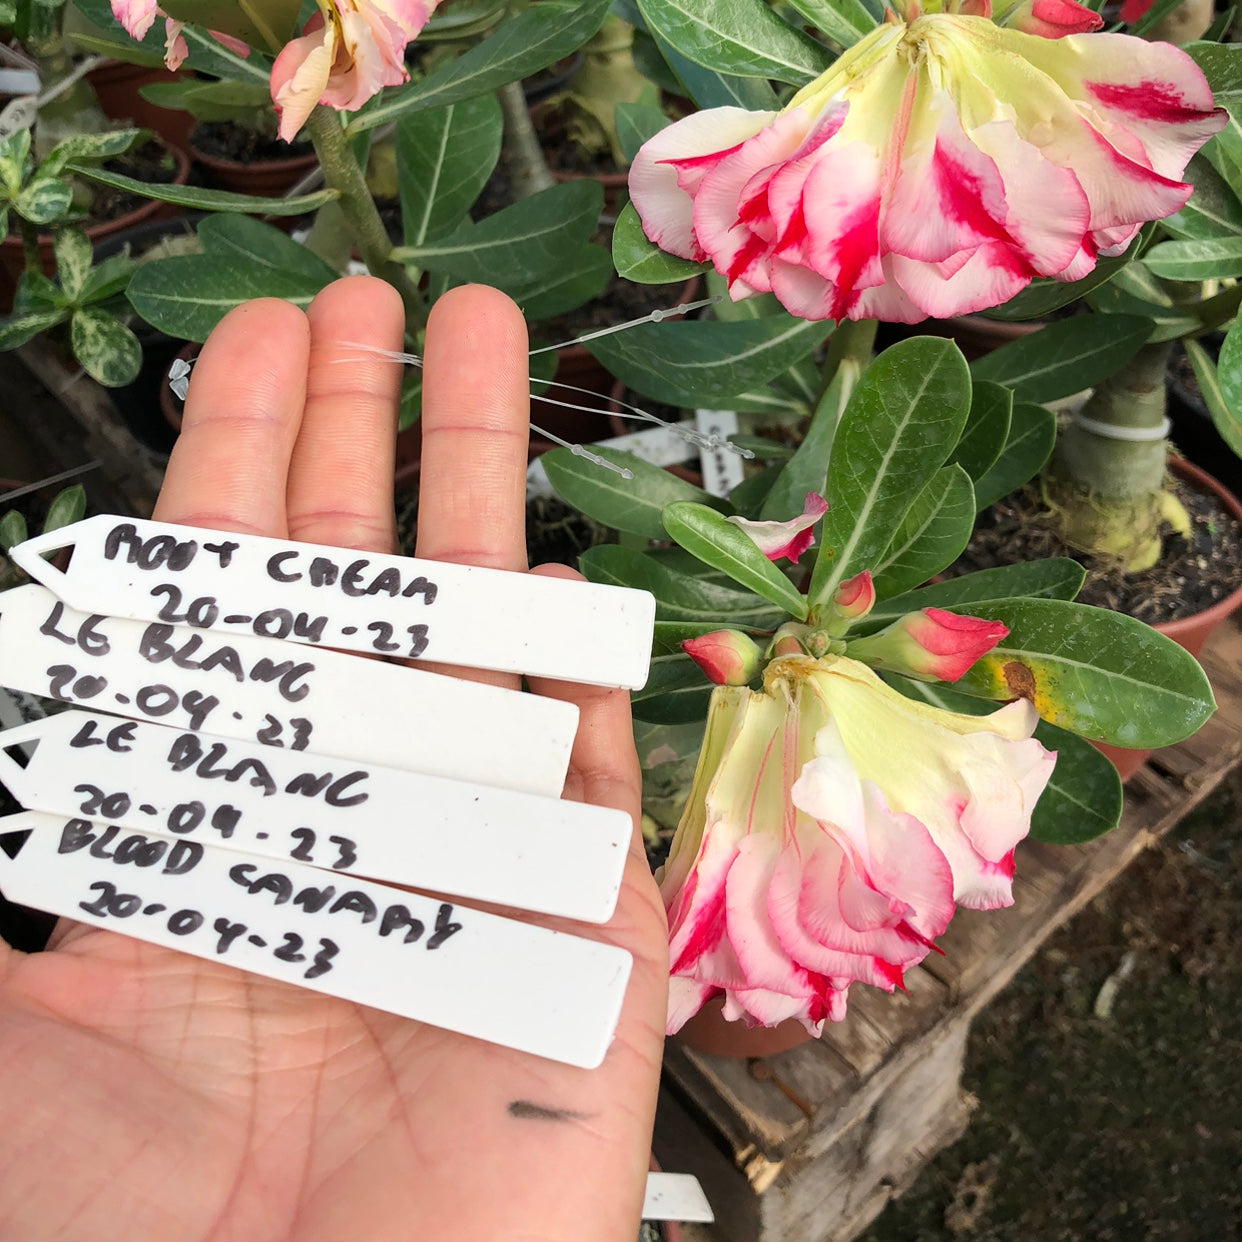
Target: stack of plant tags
<point>228,770</point>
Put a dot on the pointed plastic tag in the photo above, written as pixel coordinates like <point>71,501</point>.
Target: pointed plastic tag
<point>497,979</point>
<point>356,601</point>
<point>278,694</point>
<point>563,858</point>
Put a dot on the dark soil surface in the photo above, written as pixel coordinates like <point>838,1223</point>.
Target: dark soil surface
<point>151,162</point>
<point>1102,1122</point>
<point>1192,575</point>
<point>226,140</point>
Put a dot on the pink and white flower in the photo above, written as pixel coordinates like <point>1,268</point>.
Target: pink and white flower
<point>831,828</point>
<point>137,16</point>
<point>791,538</point>
<point>348,52</point>
<point>936,168</point>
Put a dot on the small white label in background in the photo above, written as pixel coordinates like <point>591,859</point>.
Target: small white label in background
<point>676,1196</point>
<point>543,854</point>
<point>497,979</point>
<point>358,601</point>
<point>661,446</point>
<point>295,697</point>
<point>722,468</point>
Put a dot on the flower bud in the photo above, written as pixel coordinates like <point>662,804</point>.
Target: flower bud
<point>855,597</point>
<point>728,657</point>
<point>1053,19</point>
<point>931,645</point>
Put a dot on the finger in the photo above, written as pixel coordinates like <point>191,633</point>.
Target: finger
<point>476,411</point>
<point>340,477</point>
<point>230,464</point>
<point>603,765</point>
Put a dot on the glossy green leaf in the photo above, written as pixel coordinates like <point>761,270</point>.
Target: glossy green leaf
<point>1213,209</point>
<point>444,158</point>
<point>1208,258</point>
<point>536,37</point>
<point>676,692</point>
<point>12,530</point>
<point>241,239</point>
<point>14,148</point>
<point>903,420</point>
<point>933,533</point>
<point>1221,64</point>
<point>679,597</point>
<point>1221,385</point>
<point>723,545</point>
<point>740,37</point>
<point>44,200</point>
<point>843,21</point>
<point>36,292</point>
<point>1152,16</point>
<point>107,278</point>
<point>66,508</point>
<point>630,505</point>
<point>1097,673</point>
<point>703,363</point>
<point>642,261</point>
<point>1137,292</point>
<point>580,276</point>
<point>108,350</point>
<point>17,329</point>
<point>987,428</point>
<point>711,89</point>
<point>636,124</point>
<point>208,200</point>
<point>1053,578</point>
<point>1032,435</point>
<point>73,261</point>
<point>210,56</point>
<point>749,495</point>
<point>1082,800</point>
<point>208,100</point>
<point>1064,357</point>
<point>259,23</point>
<point>519,243</point>
<point>85,147</point>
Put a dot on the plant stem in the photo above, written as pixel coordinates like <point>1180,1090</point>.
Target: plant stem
<point>30,245</point>
<point>342,173</point>
<point>522,154</point>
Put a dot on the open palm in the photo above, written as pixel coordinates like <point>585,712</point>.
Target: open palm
<point>151,1096</point>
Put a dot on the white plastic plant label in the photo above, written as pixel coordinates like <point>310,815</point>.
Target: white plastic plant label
<point>722,468</point>
<point>497,979</point>
<point>676,1196</point>
<point>518,849</point>
<point>356,601</point>
<point>283,695</point>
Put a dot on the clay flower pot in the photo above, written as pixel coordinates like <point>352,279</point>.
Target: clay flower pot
<point>267,178</point>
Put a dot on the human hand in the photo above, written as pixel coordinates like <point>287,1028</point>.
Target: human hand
<point>155,1097</point>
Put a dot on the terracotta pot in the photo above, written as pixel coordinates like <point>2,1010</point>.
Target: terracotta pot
<point>267,178</point>
<point>1189,632</point>
<point>708,1032</point>
<point>118,86</point>
<point>13,258</point>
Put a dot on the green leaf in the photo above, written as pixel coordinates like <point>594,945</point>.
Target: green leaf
<point>1082,800</point>
<point>1065,357</point>
<point>444,158</point>
<point>710,89</point>
<point>1213,209</point>
<point>13,152</point>
<point>225,100</point>
<point>12,530</point>
<point>679,597</point>
<point>1221,64</point>
<point>44,200</point>
<point>1154,14</point>
<point>1032,435</point>
<point>1221,385</point>
<point>188,295</point>
<point>107,278</point>
<point>66,508</point>
<point>714,540</point>
<point>100,146</point>
<point>260,23</point>
<point>932,535</point>
<point>843,21</point>
<point>18,329</point>
<point>1097,673</point>
<point>36,292</point>
<point>703,363</point>
<point>519,243</point>
<point>903,420</point>
<point>676,692</point>
<point>1206,258</point>
<point>581,275</point>
<point>748,496</point>
<point>642,261</point>
<point>239,239</point>
<point>208,200</point>
<point>632,505</point>
<point>987,429</point>
<point>73,261</point>
<point>537,37</point>
<point>108,350</point>
<point>741,37</point>
<point>1053,578</point>
<point>636,124</point>
<point>1137,292</point>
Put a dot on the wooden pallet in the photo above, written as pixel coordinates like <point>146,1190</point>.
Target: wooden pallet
<point>809,1145</point>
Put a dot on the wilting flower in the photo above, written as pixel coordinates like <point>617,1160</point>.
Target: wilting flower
<point>936,168</point>
<point>931,645</point>
<point>792,538</point>
<point>348,52</point>
<point>831,828</point>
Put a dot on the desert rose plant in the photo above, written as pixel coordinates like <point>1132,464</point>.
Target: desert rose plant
<point>874,746</point>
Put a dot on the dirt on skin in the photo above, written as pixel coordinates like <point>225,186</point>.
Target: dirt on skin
<point>1109,1073</point>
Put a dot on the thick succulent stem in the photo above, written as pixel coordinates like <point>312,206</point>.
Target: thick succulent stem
<point>522,154</point>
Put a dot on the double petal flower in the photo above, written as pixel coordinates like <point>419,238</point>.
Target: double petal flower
<point>936,168</point>
<point>832,827</point>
